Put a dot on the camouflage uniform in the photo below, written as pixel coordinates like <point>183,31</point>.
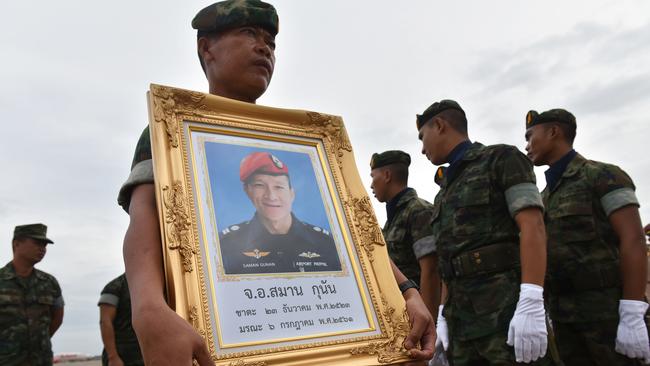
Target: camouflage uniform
<point>408,235</point>
<point>116,293</point>
<point>583,277</point>
<point>26,306</point>
<point>477,243</point>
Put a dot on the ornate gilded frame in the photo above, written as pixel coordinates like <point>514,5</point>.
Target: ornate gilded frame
<point>175,115</point>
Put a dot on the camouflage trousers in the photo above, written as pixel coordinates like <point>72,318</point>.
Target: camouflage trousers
<point>590,344</point>
<point>490,350</point>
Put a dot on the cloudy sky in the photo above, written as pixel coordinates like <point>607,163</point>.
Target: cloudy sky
<point>74,76</point>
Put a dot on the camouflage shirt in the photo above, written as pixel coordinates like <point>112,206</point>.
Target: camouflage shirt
<point>141,170</point>
<point>474,211</point>
<point>116,293</point>
<point>408,234</point>
<point>26,306</point>
<point>583,281</point>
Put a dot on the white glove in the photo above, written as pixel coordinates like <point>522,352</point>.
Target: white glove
<point>632,334</point>
<point>527,332</point>
<point>442,331</point>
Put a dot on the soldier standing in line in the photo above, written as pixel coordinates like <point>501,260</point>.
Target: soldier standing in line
<point>596,254</point>
<point>489,233</point>
<point>120,343</point>
<point>236,48</point>
<point>31,305</point>
<point>407,230</point>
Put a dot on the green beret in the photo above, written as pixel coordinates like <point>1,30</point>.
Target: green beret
<point>434,109</point>
<point>554,115</point>
<point>230,14</point>
<point>389,157</point>
<point>34,231</point>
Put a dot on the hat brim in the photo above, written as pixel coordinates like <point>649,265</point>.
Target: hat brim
<point>41,238</point>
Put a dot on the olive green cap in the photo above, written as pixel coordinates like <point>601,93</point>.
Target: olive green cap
<point>34,231</point>
<point>435,108</point>
<point>554,115</point>
<point>389,157</point>
<point>230,14</point>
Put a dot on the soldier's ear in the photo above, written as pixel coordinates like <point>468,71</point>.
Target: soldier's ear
<point>387,174</point>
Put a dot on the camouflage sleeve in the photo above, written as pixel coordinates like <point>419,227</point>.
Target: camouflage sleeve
<point>111,293</point>
<point>422,232</point>
<point>141,170</point>
<point>615,188</point>
<point>58,301</point>
<point>516,177</point>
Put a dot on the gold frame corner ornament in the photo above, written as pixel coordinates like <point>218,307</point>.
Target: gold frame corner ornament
<point>392,349</point>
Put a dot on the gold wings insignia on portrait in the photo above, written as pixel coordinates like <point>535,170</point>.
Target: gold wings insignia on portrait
<point>256,254</point>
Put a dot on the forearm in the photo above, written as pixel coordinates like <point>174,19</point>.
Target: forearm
<point>532,244</point>
<point>430,283</point>
<point>57,320</point>
<point>399,276</point>
<point>626,222</point>
<point>143,253</point>
<point>634,267</point>
<point>108,337</point>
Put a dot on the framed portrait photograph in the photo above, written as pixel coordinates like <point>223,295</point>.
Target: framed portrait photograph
<point>271,248</point>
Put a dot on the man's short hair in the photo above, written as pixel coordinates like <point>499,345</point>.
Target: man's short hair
<point>455,118</point>
<point>568,132</point>
<point>399,172</point>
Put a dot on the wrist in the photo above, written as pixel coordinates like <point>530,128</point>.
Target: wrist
<point>410,293</point>
<point>408,284</point>
<point>532,291</point>
<point>632,307</point>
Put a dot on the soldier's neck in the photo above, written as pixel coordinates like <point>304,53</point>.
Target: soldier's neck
<point>277,227</point>
<point>22,268</point>
<point>558,153</point>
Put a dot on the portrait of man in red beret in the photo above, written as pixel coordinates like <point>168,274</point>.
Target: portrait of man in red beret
<point>274,240</point>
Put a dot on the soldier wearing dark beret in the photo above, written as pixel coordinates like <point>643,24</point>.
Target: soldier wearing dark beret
<point>407,230</point>
<point>236,49</point>
<point>489,235</point>
<point>596,253</point>
<point>274,240</point>
<point>31,304</point>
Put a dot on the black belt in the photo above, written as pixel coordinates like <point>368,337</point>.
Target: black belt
<point>485,260</point>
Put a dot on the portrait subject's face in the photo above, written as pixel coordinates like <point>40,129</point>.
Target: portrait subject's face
<point>271,195</point>
<point>240,62</point>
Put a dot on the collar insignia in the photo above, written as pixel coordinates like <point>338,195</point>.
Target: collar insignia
<point>256,254</point>
<point>309,255</point>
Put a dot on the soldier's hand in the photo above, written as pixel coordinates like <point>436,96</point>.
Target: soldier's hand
<point>422,327</point>
<point>632,334</point>
<point>442,330</point>
<point>527,331</point>
<point>167,339</point>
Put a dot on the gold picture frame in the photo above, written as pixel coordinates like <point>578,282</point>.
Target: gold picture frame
<point>343,310</point>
